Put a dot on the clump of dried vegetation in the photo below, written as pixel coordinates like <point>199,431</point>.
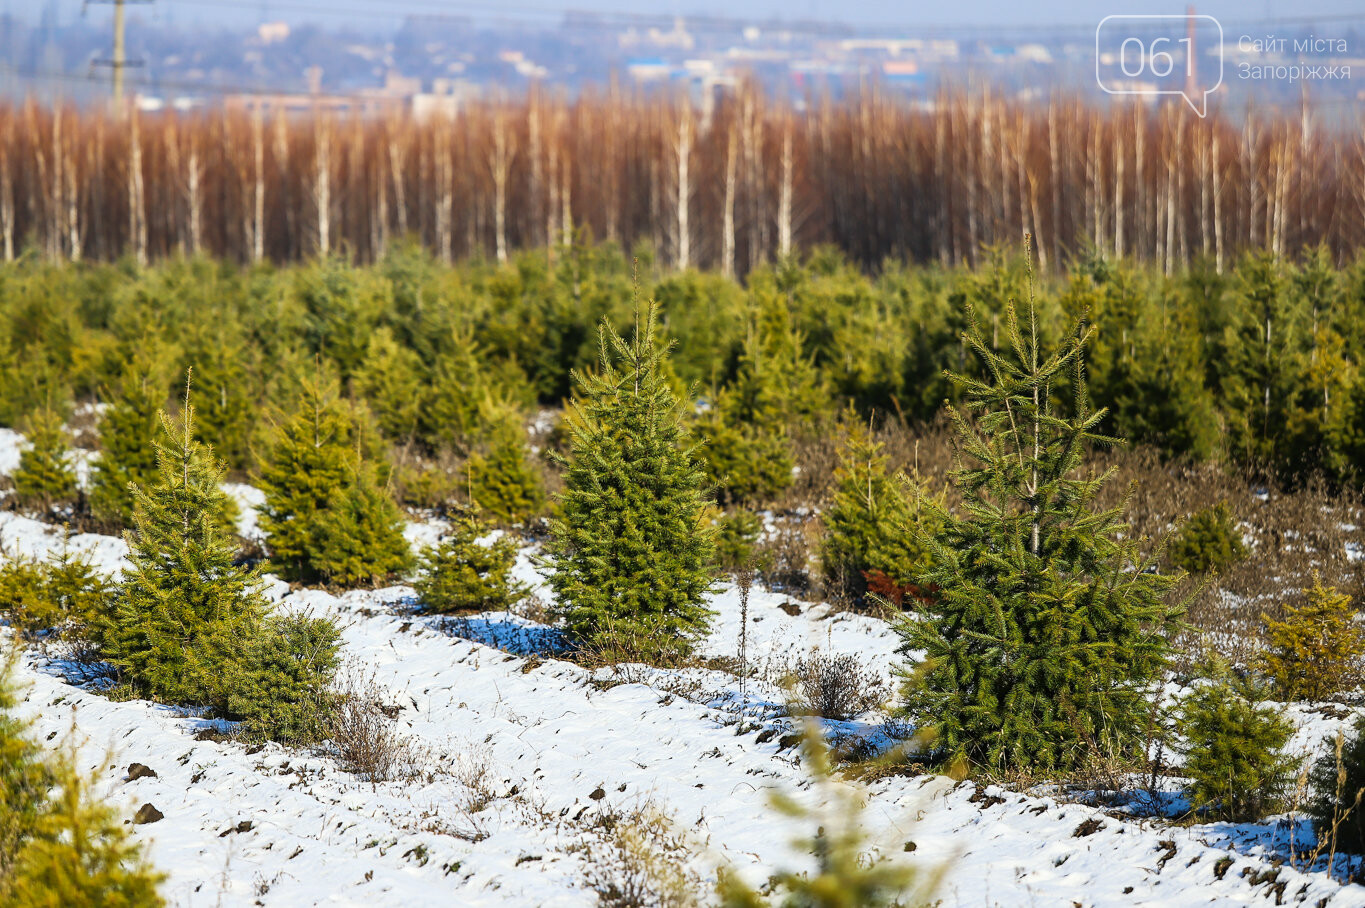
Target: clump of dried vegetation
<point>835,686</point>
<point>363,731</point>
<point>1294,534</point>
<point>638,858</point>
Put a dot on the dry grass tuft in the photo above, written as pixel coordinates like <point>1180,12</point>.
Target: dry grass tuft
<point>639,859</point>
<point>362,729</point>
<point>836,686</point>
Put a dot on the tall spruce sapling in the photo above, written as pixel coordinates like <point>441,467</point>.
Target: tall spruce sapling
<point>326,518</point>
<point>504,484</point>
<point>631,549</point>
<point>748,453</point>
<point>304,473</point>
<point>747,462</point>
<point>392,381</point>
<point>189,626</point>
<point>460,384</point>
<point>359,541</point>
<point>45,480</point>
<point>226,409</point>
<point>1048,627</point>
<point>128,452</point>
<point>1261,347</point>
<point>1148,362</point>
<point>184,612</point>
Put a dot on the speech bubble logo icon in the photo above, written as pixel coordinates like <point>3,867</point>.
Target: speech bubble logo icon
<point>1154,55</point>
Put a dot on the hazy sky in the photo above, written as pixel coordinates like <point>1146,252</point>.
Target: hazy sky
<point>379,14</point>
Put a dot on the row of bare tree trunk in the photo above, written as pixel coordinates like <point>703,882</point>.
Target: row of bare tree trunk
<point>728,185</point>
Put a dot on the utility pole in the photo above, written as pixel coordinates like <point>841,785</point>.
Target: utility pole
<point>119,61</point>
<point>120,53</point>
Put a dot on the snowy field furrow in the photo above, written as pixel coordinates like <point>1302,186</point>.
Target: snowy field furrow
<point>520,758</point>
<point>321,836</point>
<point>552,747</point>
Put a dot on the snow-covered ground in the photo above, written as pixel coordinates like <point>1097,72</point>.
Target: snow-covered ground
<point>523,756</point>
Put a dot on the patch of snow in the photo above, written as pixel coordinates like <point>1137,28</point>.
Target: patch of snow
<point>12,446</point>
<point>421,534</point>
<point>24,537</point>
<point>249,501</point>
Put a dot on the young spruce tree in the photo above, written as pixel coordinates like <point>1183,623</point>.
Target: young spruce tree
<point>1209,541</point>
<point>185,613</point>
<point>24,777</point>
<point>1047,627</point>
<point>1315,651</point>
<point>851,869</point>
<point>58,845</point>
<point>748,453</point>
<point>872,527</point>
<point>631,548</point>
<point>226,408</point>
<point>460,574</point>
<point>64,596</point>
<point>128,433</point>
<point>503,484</point>
<point>1337,779</point>
<point>326,517</point>
<point>44,480</point>
<point>1235,741</point>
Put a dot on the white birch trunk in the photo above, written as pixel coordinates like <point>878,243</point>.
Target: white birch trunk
<point>784,201</point>
<point>683,191</point>
<point>322,182</point>
<point>6,199</point>
<point>500,163</point>
<point>137,201</point>
<point>727,227</point>
<point>258,177</point>
<point>1217,170</point>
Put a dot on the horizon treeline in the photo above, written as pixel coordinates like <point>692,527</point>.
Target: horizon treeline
<point>728,184</point>
<point>447,363</point>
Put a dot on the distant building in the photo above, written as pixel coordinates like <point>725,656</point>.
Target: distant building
<point>272,32</point>
<point>445,100</point>
<point>398,85</point>
<point>678,37</point>
<point>902,71</point>
<point>893,46</point>
<point>650,69</point>
<point>308,104</point>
